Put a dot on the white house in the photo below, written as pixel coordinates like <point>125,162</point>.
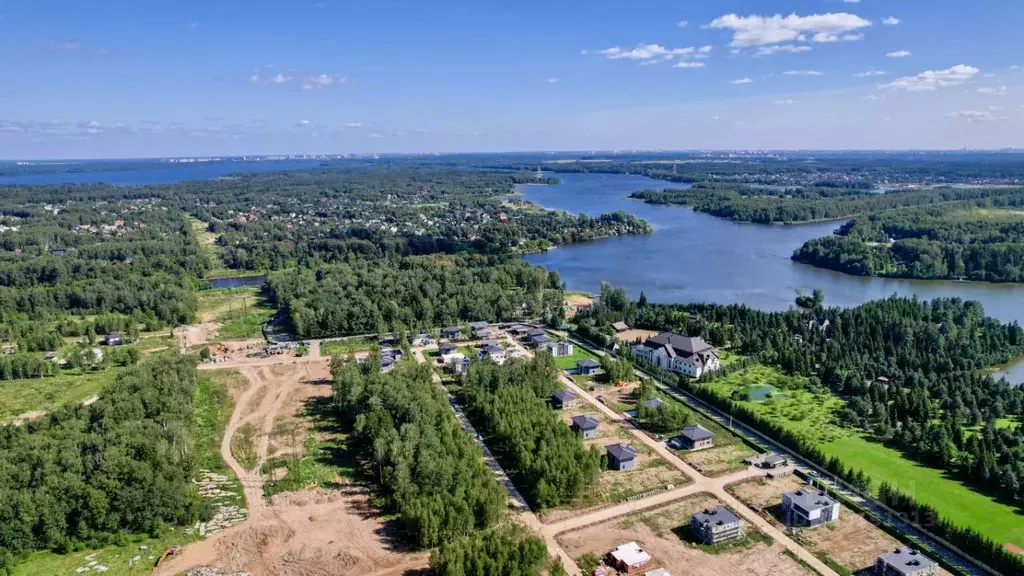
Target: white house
<point>676,353</point>
<point>559,349</point>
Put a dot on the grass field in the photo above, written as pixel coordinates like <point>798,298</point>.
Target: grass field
<point>348,346</point>
<point>245,323</point>
<point>25,395</point>
<point>569,362</point>
<point>812,416</point>
<point>212,407</point>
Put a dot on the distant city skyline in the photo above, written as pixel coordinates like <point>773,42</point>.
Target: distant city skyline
<point>161,79</point>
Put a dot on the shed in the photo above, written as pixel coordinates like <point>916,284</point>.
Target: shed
<point>112,339</point>
<point>620,326</point>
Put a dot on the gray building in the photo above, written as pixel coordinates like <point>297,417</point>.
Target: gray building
<point>479,325</point>
<point>446,348</point>
<point>808,508</point>
<point>559,349</point>
<point>587,367</point>
<point>387,364</point>
<point>905,562</point>
<point>621,457</point>
<point>716,525</point>
<point>451,333</point>
<point>563,399</point>
<point>695,437</point>
<point>585,425</point>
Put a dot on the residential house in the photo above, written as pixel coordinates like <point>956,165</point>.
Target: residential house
<point>461,365</point>
<point>561,399</point>
<point>559,349</point>
<point>519,331</point>
<point>535,333</point>
<point>690,356</point>
<point>587,367</point>
<point>481,325</point>
<point>621,457</point>
<point>387,364</point>
<point>388,340</point>
<point>905,562</point>
<point>808,508</point>
<point>620,326</point>
<point>585,426</point>
<point>774,461</point>
<point>695,437</point>
<point>494,351</point>
<point>112,339</point>
<point>629,558</point>
<point>451,333</point>
<point>541,340</point>
<point>395,353</point>
<point>446,349</point>
<point>423,340</point>
<point>653,403</point>
<point>716,525</point>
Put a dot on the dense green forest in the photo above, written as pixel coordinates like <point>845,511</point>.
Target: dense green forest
<point>978,242</point>
<point>548,462</point>
<point>508,550</point>
<point>431,474</point>
<point>84,475</point>
<point>908,369</point>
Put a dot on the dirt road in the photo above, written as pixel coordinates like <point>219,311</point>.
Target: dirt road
<point>314,532</point>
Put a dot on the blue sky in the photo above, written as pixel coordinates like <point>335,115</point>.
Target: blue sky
<point>123,78</point>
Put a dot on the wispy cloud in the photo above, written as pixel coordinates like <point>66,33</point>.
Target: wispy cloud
<point>931,80</point>
<point>688,64</point>
<point>994,90</point>
<point>780,49</point>
<point>101,52</point>
<point>755,30</point>
<point>974,116</point>
<point>682,23</point>
<point>65,46</point>
<point>652,52</point>
<point>192,25</point>
<point>870,73</point>
<point>803,73</point>
<point>552,80</point>
<point>898,54</point>
<point>786,102</point>
<point>891,21</point>
<point>743,81</point>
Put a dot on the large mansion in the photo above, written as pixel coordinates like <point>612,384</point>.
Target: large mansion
<point>676,353</point>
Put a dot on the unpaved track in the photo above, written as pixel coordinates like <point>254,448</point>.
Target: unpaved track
<point>307,533</point>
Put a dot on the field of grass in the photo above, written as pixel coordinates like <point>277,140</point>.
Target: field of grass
<point>225,299</point>
<point>569,362</point>
<point>810,414</point>
<point>930,486</point>
<point>347,346</point>
<point>212,407</point>
<point>25,395</point>
<point>245,323</point>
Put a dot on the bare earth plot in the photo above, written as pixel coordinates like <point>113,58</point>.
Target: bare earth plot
<point>652,473</point>
<point>634,334</point>
<point>853,542</point>
<point>658,532</point>
<point>312,532</point>
<point>718,460</point>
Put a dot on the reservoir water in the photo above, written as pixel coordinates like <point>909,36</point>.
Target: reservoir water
<point>694,257</point>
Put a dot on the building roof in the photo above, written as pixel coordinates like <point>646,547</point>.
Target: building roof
<point>479,325</point>
<point>585,422</point>
<point>621,452</point>
<point>774,459</point>
<point>564,395</point>
<point>811,499</point>
<point>620,326</point>
<point>696,432</point>
<point>450,329</point>
<point>654,403</point>
<point>542,339</point>
<point>446,347</point>
<point>908,560</point>
<point>716,516</point>
<point>536,332</point>
<point>492,349</point>
<point>588,363</point>
<point>386,361</point>
<point>631,554</point>
<point>680,345</point>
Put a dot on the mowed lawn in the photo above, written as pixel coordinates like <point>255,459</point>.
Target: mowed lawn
<point>812,415</point>
<point>569,362</point>
<point>952,499</point>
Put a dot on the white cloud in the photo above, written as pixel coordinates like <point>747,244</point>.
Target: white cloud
<point>870,97</point>
<point>973,116</point>
<point>803,73</point>
<point>994,90</point>
<point>552,80</point>
<point>829,37</point>
<point>852,1</point>
<point>307,87</point>
<point>101,52</point>
<point>891,21</point>
<point>931,80</point>
<point>743,81</point>
<point>705,49</point>
<point>280,79</point>
<point>764,30</point>
<point>898,54</point>
<point>994,108</point>
<point>353,124</point>
<point>647,52</point>
<point>254,78</point>
<point>688,64</point>
<point>779,48</point>
<point>787,102</point>
<point>302,123</point>
<point>683,24</point>
<point>870,73</point>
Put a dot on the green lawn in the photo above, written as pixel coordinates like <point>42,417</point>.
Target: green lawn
<point>226,298</point>
<point>578,353</point>
<point>20,396</point>
<point>348,346</point>
<point>245,323</point>
<point>212,407</point>
<point>930,486</point>
<point>812,416</point>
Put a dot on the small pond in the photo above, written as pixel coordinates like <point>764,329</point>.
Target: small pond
<point>238,282</point>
